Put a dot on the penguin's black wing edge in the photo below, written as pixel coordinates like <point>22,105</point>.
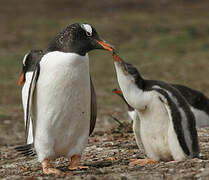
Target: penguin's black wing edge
<point>30,99</point>
<point>93,115</point>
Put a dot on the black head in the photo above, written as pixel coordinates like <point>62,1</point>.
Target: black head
<point>31,59</point>
<point>131,70</point>
<point>78,38</point>
<point>29,63</point>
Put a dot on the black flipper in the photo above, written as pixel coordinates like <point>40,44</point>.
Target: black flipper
<point>173,103</point>
<point>93,115</point>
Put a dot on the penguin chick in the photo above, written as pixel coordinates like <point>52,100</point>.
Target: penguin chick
<point>198,103</point>
<point>167,124</point>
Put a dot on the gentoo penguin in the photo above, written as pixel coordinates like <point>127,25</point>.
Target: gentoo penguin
<point>29,64</point>
<point>167,125</point>
<point>198,103</point>
<point>61,99</point>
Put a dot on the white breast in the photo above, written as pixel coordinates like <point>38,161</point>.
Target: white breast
<point>132,115</point>
<point>62,106</point>
<point>156,131</point>
<point>136,127</point>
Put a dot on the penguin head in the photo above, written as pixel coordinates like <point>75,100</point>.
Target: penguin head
<point>31,57</point>
<point>29,62</point>
<point>127,70</point>
<point>78,38</point>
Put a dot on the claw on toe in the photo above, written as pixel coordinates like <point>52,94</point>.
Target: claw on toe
<point>75,163</point>
<point>48,169</point>
<point>142,162</point>
<point>51,171</point>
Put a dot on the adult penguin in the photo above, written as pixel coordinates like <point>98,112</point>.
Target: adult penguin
<point>61,99</point>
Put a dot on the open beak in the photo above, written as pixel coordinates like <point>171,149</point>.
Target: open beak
<point>119,60</point>
<point>116,57</point>
<point>21,80</point>
<point>106,46</point>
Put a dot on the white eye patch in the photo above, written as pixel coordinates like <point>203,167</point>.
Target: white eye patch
<point>87,28</point>
<point>24,59</point>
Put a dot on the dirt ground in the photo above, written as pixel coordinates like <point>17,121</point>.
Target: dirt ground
<point>168,41</point>
<point>108,155</point>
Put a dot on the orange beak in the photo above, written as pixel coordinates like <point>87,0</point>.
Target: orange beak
<point>105,46</point>
<point>117,91</point>
<point>116,57</point>
<point>21,80</point>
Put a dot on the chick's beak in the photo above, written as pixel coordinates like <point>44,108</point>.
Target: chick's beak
<point>116,57</point>
<point>119,60</point>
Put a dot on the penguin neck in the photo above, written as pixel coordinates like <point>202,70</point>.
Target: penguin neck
<point>69,47</point>
<point>129,107</point>
<point>132,87</point>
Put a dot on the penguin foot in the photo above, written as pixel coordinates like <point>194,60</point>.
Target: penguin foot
<point>48,169</point>
<point>75,163</point>
<point>142,162</point>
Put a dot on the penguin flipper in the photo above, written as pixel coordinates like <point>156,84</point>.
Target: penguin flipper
<point>30,99</point>
<point>93,115</point>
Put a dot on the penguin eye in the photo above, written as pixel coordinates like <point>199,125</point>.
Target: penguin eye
<point>88,33</point>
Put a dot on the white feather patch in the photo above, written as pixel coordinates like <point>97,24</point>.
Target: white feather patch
<point>24,59</point>
<point>87,28</point>
<point>132,115</point>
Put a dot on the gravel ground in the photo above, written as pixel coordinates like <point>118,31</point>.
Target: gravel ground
<point>168,40</point>
<point>108,155</point>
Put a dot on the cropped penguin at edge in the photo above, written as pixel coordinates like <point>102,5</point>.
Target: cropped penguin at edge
<point>61,101</point>
<point>30,60</point>
<point>198,103</point>
<point>167,124</point>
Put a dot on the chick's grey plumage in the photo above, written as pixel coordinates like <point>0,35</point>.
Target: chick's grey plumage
<point>198,103</point>
<point>157,101</point>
